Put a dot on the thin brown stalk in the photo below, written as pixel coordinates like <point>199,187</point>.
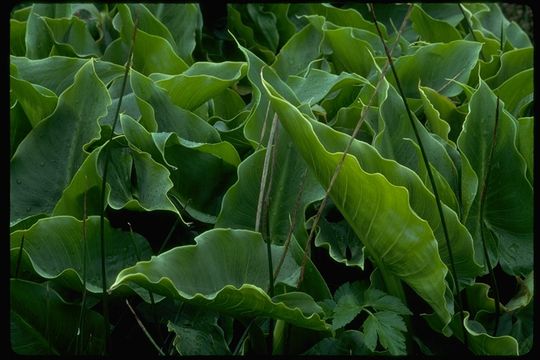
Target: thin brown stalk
<point>144,329</point>
<point>425,159</point>
<point>345,152</point>
<point>292,223</point>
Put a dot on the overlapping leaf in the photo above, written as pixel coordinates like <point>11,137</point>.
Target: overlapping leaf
<point>67,240</point>
<point>226,270</point>
<point>55,147</point>
<point>389,246</point>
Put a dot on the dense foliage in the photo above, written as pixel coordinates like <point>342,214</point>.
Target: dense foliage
<point>265,181</point>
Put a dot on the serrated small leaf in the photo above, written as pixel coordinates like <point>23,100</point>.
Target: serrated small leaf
<point>388,327</point>
<point>383,302</point>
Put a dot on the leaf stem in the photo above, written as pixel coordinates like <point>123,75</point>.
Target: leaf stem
<point>430,174</point>
<point>103,192</point>
<point>344,154</point>
<point>483,193</point>
<point>469,27</point>
<point>144,329</point>
<point>82,315</point>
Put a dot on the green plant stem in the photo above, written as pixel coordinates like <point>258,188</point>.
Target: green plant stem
<point>260,204</point>
<point>144,329</point>
<point>469,27</point>
<point>307,248</point>
<point>483,193</point>
<point>103,192</point>
<point>430,175</point>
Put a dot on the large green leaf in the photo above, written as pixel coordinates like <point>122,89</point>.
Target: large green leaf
<point>204,81</point>
<point>55,145</point>
<point>37,40</point>
<point>508,199</point>
<point>300,50</point>
<point>517,92</point>
<point>399,242</point>
<point>512,63</point>
<point>36,101</point>
<point>56,245</point>
<point>157,108</point>
<point>61,71</point>
<point>180,16</point>
<point>287,182</point>
<point>71,37</point>
<point>434,65</point>
<point>431,29</point>
<point>192,166</point>
<point>43,323</point>
<point>396,140</point>
<point>349,342</point>
<point>226,271</point>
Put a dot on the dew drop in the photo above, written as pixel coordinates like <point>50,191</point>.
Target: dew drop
<point>42,164</point>
<point>28,209</point>
<point>19,181</point>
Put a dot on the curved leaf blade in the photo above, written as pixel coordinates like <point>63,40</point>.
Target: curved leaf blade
<point>55,146</point>
<point>226,271</point>
<point>390,246</point>
<point>55,247</point>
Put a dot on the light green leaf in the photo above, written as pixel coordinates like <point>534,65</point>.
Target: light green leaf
<point>389,246</point>
<point>286,184</point>
<point>381,301</point>
<point>480,343</point>
<point>317,84</point>
<point>511,63</point>
<point>431,29</point>
<point>38,42</point>
<point>341,41</point>
<point>436,124</point>
<point>421,200</point>
<point>37,102</point>
<point>508,201</point>
<point>55,247</point>
<point>435,65</point>
<point>396,140</point>
<point>225,271</point>
<point>156,107</point>
<point>204,81</point>
<point>55,146</point>
<point>61,71</point>
<point>517,92</point>
<point>388,327</point>
<point>71,37</point>
<point>300,50</point>
<point>42,323</point>
<point>187,17</point>
<point>192,166</point>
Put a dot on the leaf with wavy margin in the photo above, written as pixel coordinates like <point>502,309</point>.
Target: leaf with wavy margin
<point>399,242</point>
<point>226,271</point>
<point>55,248</point>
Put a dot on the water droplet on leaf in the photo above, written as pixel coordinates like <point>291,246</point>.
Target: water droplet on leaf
<point>19,181</point>
<point>42,164</point>
<point>28,209</point>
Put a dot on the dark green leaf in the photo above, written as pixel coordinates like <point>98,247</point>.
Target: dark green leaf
<point>55,246</point>
<point>55,147</point>
<point>43,323</point>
